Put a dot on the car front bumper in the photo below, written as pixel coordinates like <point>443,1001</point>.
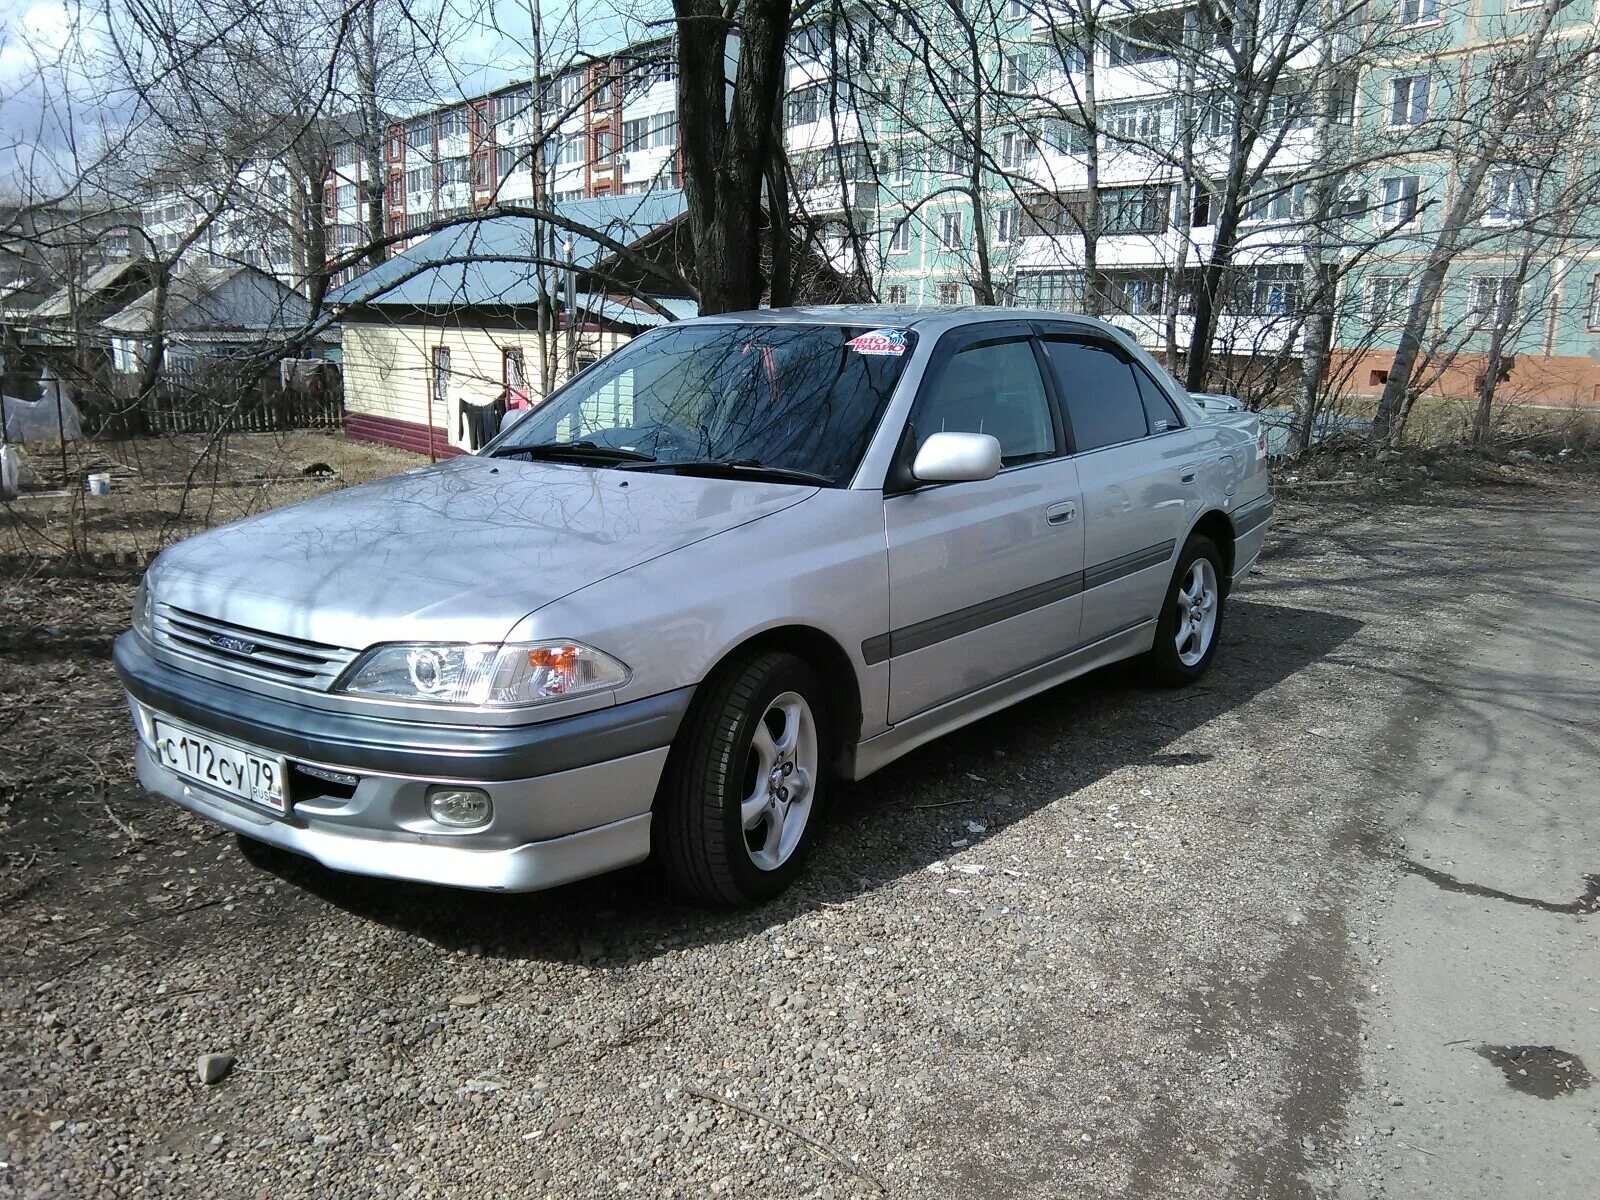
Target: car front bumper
<point>571,796</point>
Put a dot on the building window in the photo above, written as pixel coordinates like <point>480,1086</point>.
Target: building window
<point>663,131</point>
<point>1400,199</point>
<point>604,147</point>
<point>1509,196</point>
<point>1276,202</point>
<point>1066,137</point>
<point>1418,12</point>
<point>1492,300</point>
<point>1137,295</point>
<point>419,134</point>
<point>571,150</point>
<point>1145,39</point>
<point>1388,299</point>
<point>453,123</point>
<point>1016,10</point>
<point>1269,291</point>
<point>1136,122</point>
<point>1060,290</point>
<point>804,105</point>
<point>955,160</point>
<point>895,293</point>
<point>441,375</point>
<point>900,239</point>
<point>950,230</point>
<point>1005,225</point>
<point>1013,150</point>
<point>1016,77</point>
<point>1594,303</point>
<point>1133,210</point>
<point>1408,101</point>
<point>948,294</point>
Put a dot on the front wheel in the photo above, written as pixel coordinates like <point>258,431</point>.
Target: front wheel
<point>745,782</point>
<point>1191,617</point>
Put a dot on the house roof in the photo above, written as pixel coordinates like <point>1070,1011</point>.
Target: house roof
<point>630,310</point>
<point>496,261</point>
<point>102,279</point>
<point>195,300</point>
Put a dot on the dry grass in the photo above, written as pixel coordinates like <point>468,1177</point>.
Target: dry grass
<point>164,489</point>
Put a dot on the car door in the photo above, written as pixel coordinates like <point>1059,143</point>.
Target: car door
<point>983,575</point>
<point>1139,468</point>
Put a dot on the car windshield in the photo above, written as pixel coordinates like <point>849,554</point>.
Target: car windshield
<point>795,398</point>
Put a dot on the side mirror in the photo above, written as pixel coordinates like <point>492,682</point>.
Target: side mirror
<point>957,458</point>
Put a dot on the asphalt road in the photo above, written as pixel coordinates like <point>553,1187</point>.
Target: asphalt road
<point>1294,932</point>
<point>1482,1033</point>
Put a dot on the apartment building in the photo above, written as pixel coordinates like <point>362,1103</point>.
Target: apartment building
<point>601,127</point>
<point>1524,278</point>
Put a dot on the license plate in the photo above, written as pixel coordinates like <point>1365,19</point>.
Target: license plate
<point>221,765</point>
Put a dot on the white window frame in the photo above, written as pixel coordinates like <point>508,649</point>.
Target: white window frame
<point>1420,12</point>
<point>948,294</point>
<point>1414,115</point>
<point>950,224</point>
<point>1388,299</point>
<point>1018,74</point>
<point>1594,301</point>
<point>1389,206</point>
<point>1007,224</point>
<point>1016,10</point>
<point>1485,318</point>
<point>895,293</point>
<point>1513,191</point>
<point>900,238</point>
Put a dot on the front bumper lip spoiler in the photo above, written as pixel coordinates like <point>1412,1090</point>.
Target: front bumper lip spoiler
<point>358,742</point>
<point>397,855</point>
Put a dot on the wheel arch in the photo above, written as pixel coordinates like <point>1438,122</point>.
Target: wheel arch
<point>1215,525</point>
<point>824,655</point>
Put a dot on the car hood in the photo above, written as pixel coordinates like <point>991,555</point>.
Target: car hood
<point>456,552</point>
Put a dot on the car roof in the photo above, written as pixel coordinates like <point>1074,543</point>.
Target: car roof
<point>902,316</point>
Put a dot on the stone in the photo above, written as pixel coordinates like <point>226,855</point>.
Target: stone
<point>213,1068</point>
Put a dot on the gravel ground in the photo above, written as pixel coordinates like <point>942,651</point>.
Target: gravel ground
<point>1099,945</point>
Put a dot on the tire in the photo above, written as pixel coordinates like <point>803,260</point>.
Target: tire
<point>1176,661</point>
<point>732,825</point>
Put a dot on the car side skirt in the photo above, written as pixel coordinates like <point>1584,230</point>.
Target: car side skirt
<point>865,757</point>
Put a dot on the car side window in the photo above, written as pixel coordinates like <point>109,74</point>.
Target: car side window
<point>1158,408</point>
<point>993,388</point>
<point>1100,393</point>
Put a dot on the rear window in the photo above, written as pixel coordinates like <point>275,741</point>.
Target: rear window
<point>1102,398</point>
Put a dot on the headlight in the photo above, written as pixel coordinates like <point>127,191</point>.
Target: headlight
<point>486,675</point>
<point>144,610</point>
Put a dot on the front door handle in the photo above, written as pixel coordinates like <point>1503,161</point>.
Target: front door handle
<point>1061,514</point>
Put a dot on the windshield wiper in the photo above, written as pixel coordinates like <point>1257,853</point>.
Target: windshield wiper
<point>736,468</point>
<point>579,450</point>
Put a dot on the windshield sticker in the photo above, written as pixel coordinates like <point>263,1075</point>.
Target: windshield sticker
<point>880,341</point>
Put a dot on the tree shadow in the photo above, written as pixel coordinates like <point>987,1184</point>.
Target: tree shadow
<point>996,773</point>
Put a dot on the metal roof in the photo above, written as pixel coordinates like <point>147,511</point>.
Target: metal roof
<point>496,261</point>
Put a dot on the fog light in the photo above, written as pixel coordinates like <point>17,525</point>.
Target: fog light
<point>459,807</point>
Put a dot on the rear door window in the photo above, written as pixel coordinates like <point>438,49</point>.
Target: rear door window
<point>1158,410</point>
<point>1099,392</point>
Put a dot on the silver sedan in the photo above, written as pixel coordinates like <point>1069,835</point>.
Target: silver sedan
<point>741,559</point>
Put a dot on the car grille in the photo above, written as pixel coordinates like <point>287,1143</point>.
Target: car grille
<point>250,651</point>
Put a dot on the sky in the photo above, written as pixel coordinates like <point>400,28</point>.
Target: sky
<point>51,97</point>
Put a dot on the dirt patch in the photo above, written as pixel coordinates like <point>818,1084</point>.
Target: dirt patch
<point>165,489</point>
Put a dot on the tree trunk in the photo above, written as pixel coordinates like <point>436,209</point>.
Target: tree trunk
<point>1395,402</point>
<point>725,160</point>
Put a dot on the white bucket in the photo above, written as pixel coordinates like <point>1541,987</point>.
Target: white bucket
<point>100,484</point>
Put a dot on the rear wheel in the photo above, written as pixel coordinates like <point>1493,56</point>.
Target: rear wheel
<point>745,782</point>
<point>1191,617</point>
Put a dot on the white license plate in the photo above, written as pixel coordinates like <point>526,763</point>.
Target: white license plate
<point>221,765</point>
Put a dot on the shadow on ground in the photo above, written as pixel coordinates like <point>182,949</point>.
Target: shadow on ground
<point>998,771</point>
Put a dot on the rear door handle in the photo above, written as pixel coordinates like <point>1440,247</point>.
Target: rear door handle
<point>1061,514</point>
<point>1187,475</point>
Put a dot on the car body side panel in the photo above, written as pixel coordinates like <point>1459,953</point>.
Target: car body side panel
<point>1137,508</point>
<point>821,564</point>
<point>981,583</point>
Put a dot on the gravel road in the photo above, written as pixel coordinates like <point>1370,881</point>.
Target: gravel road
<point>1114,942</point>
